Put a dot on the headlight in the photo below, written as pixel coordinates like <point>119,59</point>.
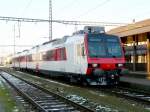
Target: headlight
<point>120,65</point>
<point>94,65</point>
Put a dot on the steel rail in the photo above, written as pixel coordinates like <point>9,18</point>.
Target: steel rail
<point>40,97</point>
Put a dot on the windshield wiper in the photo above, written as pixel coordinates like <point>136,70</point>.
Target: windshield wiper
<point>113,56</point>
<point>95,56</point>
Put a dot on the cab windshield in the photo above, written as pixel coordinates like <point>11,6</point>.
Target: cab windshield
<point>102,45</point>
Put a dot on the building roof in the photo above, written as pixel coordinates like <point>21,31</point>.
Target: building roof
<point>132,29</point>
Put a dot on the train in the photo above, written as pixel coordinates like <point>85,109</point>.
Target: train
<point>89,56</point>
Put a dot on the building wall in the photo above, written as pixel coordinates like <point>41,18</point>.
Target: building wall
<point>136,52</point>
<point>136,39</point>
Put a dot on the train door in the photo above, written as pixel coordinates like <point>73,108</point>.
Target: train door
<point>80,57</point>
<point>78,54</point>
<point>70,52</point>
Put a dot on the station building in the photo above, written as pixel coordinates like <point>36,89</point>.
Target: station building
<point>136,41</point>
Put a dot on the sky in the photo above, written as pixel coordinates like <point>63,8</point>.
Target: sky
<point>30,34</point>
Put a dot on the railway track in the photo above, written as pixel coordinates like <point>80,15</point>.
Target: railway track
<point>139,96</point>
<point>127,93</point>
<point>42,99</point>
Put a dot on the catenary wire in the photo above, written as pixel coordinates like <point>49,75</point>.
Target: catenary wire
<point>94,8</point>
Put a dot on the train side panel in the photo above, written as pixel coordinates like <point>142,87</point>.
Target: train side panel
<point>51,59</point>
<point>16,61</point>
<point>23,59</point>
<point>32,59</point>
<point>76,62</point>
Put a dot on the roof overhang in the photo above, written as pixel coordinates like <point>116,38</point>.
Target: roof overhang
<point>131,29</point>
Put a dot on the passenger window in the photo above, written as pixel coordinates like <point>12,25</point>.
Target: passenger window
<point>78,50</point>
<point>82,49</point>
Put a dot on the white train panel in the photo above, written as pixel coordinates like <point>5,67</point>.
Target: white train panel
<point>95,57</point>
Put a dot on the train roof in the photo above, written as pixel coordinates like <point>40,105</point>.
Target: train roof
<point>50,41</point>
<point>25,50</point>
<point>56,41</point>
<point>63,40</point>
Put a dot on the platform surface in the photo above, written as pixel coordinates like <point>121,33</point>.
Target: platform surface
<point>133,80</point>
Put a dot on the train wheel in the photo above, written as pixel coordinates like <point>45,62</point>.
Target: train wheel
<point>72,79</point>
<point>84,82</point>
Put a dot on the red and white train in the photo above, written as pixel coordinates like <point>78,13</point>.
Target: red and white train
<point>89,56</point>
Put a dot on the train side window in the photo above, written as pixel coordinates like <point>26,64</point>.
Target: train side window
<point>58,52</point>
<point>34,57</point>
<point>82,49</point>
<point>50,55</point>
<point>53,55</point>
<point>78,50</point>
<point>40,56</point>
<point>10,62</point>
<point>63,54</point>
<point>29,57</point>
<point>44,58</point>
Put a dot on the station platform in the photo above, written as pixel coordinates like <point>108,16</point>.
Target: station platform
<point>138,74</point>
<point>136,81</point>
<point>140,81</point>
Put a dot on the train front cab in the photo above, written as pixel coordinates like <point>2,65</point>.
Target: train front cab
<point>105,59</point>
